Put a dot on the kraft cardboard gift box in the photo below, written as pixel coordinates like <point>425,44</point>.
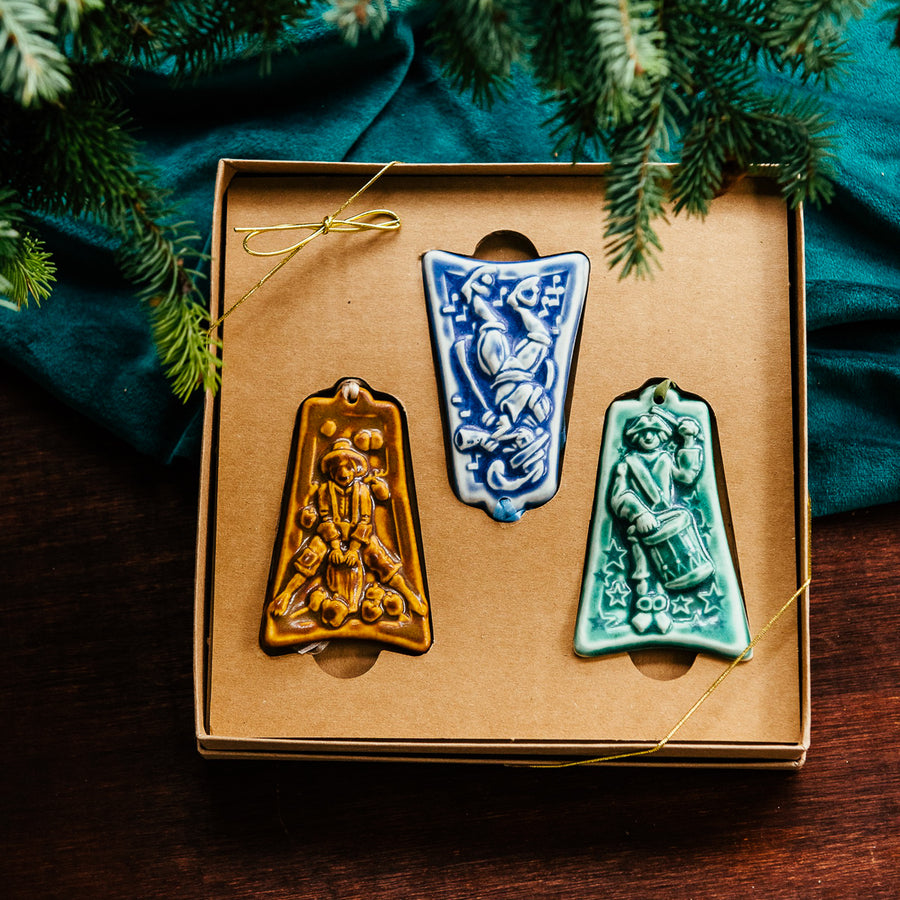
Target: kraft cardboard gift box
<point>723,318</point>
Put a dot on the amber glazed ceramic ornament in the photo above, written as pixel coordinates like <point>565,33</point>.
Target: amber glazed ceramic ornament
<point>660,571</point>
<point>504,335</point>
<point>347,560</point>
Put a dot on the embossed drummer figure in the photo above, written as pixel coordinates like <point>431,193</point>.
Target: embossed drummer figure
<point>344,569</point>
<point>667,552</point>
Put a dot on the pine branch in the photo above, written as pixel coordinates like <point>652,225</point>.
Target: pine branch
<point>124,32</point>
<point>26,269</point>
<point>11,220</point>
<point>76,158</point>
<point>97,171</point>
<point>27,274</point>
<point>572,74</point>
<point>717,137</point>
<point>157,256</point>
<point>68,14</point>
<point>796,133</point>
<point>803,26</point>
<point>892,14</point>
<point>198,37</point>
<point>595,61</point>
<point>636,190</point>
<point>10,226</point>
<point>356,17</point>
<point>478,41</point>
<point>32,68</point>
<point>629,39</point>
<point>556,57</point>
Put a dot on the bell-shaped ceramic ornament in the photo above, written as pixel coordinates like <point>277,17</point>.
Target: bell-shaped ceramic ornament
<point>347,561</point>
<point>660,570</point>
<point>504,335</point>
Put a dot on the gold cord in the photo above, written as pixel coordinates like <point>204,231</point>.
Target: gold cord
<point>359,222</point>
<point>703,698</point>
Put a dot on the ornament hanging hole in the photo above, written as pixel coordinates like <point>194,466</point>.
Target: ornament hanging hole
<point>663,663</point>
<point>347,659</point>
<point>505,246</point>
<point>662,389</point>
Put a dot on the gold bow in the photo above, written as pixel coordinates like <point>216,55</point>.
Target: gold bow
<point>360,222</point>
<point>702,699</point>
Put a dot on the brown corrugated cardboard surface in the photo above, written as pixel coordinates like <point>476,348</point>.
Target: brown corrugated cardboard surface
<point>502,678</point>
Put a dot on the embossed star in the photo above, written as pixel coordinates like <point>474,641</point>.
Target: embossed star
<point>711,598</point>
<point>682,605</point>
<point>617,593</point>
<point>693,502</point>
<point>616,556</point>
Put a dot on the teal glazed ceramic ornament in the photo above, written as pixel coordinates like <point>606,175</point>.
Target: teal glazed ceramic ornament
<point>504,335</point>
<point>659,570</point>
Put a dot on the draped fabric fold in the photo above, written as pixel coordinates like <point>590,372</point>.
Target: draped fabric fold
<point>90,344</point>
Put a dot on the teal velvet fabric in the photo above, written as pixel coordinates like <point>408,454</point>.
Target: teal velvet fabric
<point>90,345</point>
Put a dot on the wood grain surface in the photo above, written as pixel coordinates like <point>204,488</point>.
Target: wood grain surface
<point>104,794</point>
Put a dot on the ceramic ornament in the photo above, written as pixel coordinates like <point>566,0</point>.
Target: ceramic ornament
<point>503,335</point>
<point>347,562</point>
<point>659,570</point>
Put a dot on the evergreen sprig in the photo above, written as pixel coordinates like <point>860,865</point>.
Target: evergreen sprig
<point>26,270</point>
<point>357,17</point>
<point>636,188</point>
<point>28,274</point>
<point>198,36</point>
<point>645,82</point>
<point>33,69</point>
<point>892,14</point>
<point>802,27</point>
<point>10,222</point>
<point>158,257</point>
<point>101,176</point>
<point>479,40</point>
<point>649,81</point>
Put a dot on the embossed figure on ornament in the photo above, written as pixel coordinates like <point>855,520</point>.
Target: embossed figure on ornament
<point>334,572</point>
<point>520,377</point>
<point>504,336</point>
<point>660,570</point>
<point>667,551</point>
<point>344,569</point>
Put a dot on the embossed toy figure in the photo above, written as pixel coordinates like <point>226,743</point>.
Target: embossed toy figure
<point>344,568</point>
<point>659,570</point>
<point>504,335</point>
<point>333,573</point>
<point>643,495</point>
<point>520,405</point>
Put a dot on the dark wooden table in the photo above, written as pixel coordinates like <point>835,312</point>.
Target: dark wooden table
<point>104,794</point>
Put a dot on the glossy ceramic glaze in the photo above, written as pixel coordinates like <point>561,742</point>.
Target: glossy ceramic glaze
<point>659,568</point>
<point>346,562</point>
<point>504,334</point>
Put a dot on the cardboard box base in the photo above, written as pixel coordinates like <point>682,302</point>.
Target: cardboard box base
<point>724,319</point>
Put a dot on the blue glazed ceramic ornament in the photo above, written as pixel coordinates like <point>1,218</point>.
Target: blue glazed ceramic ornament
<point>659,570</point>
<point>503,335</point>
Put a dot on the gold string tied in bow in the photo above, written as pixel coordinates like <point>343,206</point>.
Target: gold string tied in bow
<point>616,757</point>
<point>364,221</point>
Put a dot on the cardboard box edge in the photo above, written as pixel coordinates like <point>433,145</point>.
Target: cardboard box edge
<point>225,747</point>
<point>225,171</point>
<point>804,513</point>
